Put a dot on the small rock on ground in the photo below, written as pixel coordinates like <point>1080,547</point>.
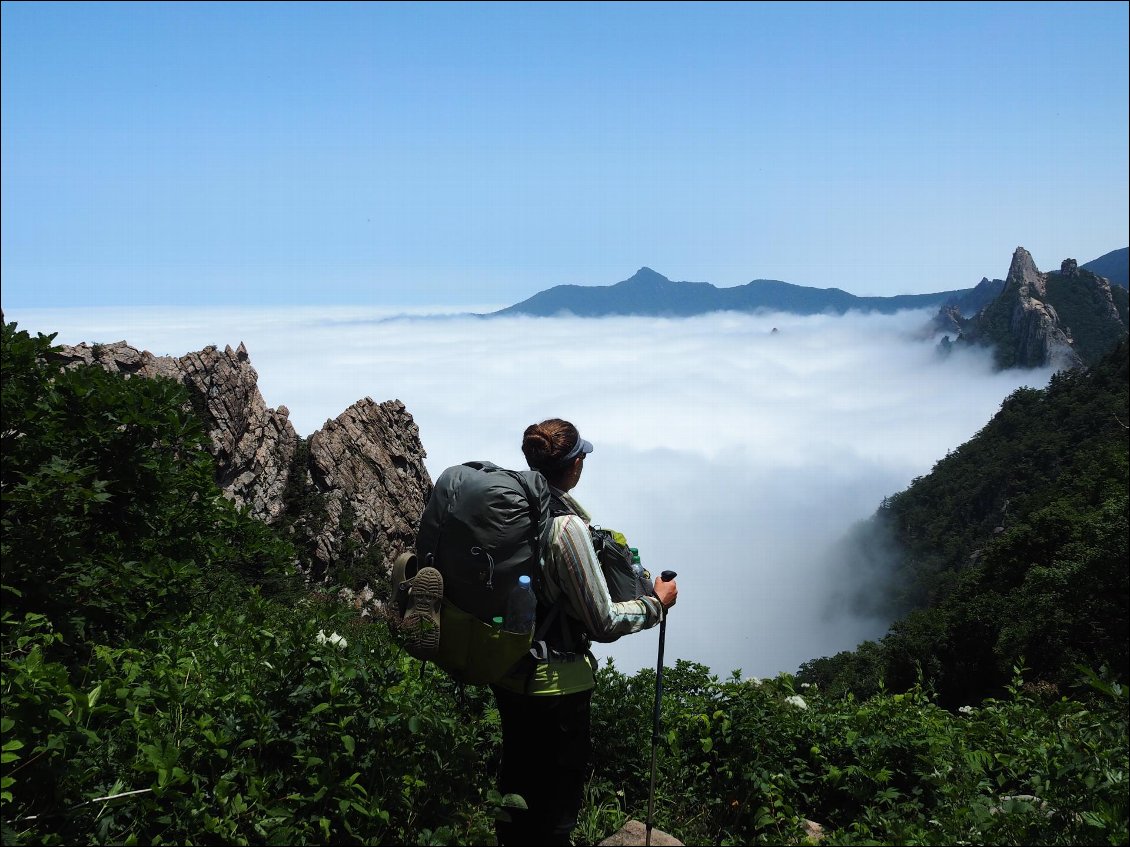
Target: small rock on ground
<point>634,833</point>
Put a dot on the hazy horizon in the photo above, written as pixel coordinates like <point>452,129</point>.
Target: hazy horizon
<point>733,454</point>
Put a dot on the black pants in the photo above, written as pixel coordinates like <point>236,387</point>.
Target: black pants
<point>546,746</point>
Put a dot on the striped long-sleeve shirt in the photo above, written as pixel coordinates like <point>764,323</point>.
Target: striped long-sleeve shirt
<point>572,569</point>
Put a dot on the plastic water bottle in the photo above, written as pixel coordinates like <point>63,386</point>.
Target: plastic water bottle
<point>642,585</point>
<point>521,607</point>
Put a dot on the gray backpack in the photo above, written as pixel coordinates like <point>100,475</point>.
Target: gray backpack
<point>482,528</point>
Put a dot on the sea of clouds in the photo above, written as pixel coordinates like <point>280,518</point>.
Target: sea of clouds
<point>734,449</point>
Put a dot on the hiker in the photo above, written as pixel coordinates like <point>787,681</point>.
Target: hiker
<point>545,704</point>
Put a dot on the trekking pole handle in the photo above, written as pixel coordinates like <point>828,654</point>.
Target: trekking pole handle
<point>667,576</point>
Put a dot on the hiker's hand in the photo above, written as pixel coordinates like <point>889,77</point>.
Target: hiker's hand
<point>666,591</point>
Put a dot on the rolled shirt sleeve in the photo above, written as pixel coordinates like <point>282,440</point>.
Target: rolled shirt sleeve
<point>578,575</point>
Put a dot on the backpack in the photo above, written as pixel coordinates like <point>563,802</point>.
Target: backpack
<point>626,578</point>
<point>482,527</point>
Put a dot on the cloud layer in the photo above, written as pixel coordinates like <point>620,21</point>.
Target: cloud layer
<point>731,453</point>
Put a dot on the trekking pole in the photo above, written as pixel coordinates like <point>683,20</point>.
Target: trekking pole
<point>666,576</point>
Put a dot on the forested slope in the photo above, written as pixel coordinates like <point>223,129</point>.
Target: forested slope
<point>1012,549</point>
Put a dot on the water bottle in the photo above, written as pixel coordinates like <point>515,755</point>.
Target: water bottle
<point>643,585</point>
<point>521,607</point>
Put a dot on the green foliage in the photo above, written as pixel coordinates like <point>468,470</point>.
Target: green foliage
<point>747,761</point>
<point>1086,314</point>
<point>1014,546</point>
<point>993,327</point>
<point>360,563</point>
<point>601,814</point>
<point>304,509</point>
<point>155,688</point>
<point>246,724</point>
<point>112,522</point>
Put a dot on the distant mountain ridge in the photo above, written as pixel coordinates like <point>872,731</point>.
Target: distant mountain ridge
<point>649,293</point>
<point>1114,265</point>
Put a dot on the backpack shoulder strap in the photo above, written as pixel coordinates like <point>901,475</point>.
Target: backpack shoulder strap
<point>569,634</point>
<point>557,506</point>
<point>536,527</point>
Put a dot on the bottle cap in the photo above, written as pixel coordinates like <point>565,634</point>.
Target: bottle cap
<point>523,580</point>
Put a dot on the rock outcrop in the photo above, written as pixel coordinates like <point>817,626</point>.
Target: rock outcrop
<point>1065,319</point>
<point>635,833</point>
<point>358,485</point>
<point>253,445</point>
<point>1038,337</point>
<point>948,320</point>
<point>368,462</point>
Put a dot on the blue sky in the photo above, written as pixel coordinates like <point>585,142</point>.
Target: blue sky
<point>416,154</point>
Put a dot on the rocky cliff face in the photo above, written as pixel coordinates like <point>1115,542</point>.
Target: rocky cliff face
<point>1063,319</point>
<point>368,465</point>
<point>353,491</point>
<point>1033,322</point>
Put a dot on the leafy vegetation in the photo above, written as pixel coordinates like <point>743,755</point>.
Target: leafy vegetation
<point>165,680</point>
<point>747,762</point>
<point>1014,548</point>
<point>1086,315</point>
<point>993,328</point>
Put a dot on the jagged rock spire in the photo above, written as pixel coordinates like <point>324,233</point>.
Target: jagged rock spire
<point>364,470</point>
<point>1024,274</point>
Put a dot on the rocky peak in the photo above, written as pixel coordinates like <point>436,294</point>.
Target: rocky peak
<point>948,320</point>
<point>645,276</point>
<point>357,486</point>
<point>1025,276</point>
<point>1025,324</point>
<point>252,445</point>
<point>368,466</point>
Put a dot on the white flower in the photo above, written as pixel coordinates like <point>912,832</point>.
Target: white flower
<point>805,685</point>
<point>334,639</point>
<point>966,710</point>
<point>796,700</point>
<point>754,681</point>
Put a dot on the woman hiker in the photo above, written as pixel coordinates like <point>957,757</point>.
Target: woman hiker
<point>545,707</point>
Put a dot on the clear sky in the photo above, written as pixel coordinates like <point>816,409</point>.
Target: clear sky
<point>413,154</point>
